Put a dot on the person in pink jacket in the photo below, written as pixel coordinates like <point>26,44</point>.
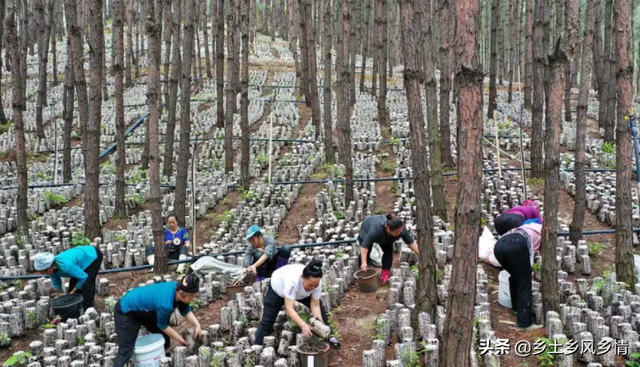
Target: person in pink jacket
<point>515,252</point>
<point>516,216</point>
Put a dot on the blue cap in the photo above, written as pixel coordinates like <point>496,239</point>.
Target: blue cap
<point>252,231</point>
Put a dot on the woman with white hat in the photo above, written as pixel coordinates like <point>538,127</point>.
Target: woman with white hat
<point>81,264</point>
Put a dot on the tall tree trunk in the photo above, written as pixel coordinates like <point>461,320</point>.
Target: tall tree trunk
<point>598,69</point>
<point>514,28</point>
<point>153,29</point>
<point>304,55</point>
<point>493,91</point>
<point>435,142</point>
<point>213,6</point>
<point>458,325</point>
<point>312,69</point>
<point>231,90</point>
<point>500,46</point>
<point>606,86</point>
<point>541,45</point>
<point>118,67</point>
<point>205,31</point>
<point>91,140</point>
<point>581,125</point>
<point>167,29</point>
<point>18,99</point>
<point>220,65</point>
<point>365,45</point>
<point>342,95</point>
<point>528,63</point>
<point>384,57</point>
<point>377,46</point>
<point>130,56</point>
<point>57,17</point>
<point>27,41</point>
<point>3,117</point>
<point>176,70</point>
<point>327,97</point>
<point>624,228</point>
<point>80,82</point>
<point>427,297</point>
<point>68,98</point>
<point>43,53</point>
<point>613,90</point>
<point>244,95</point>
<point>185,112</point>
<point>139,41</point>
<point>447,34</point>
<point>353,46</point>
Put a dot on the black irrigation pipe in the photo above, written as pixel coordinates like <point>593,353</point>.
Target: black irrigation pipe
<point>306,245</point>
<point>44,186</point>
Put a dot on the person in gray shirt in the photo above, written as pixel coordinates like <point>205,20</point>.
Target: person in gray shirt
<point>262,254</point>
<point>383,230</point>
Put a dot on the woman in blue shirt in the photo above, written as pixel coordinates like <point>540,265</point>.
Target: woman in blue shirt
<point>81,264</point>
<point>151,306</point>
<point>176,242</point>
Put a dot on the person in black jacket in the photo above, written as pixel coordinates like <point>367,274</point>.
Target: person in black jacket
<point>383,230</point>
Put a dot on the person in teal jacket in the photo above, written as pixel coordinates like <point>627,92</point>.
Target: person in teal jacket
<point>81,264</point>
<point>151,306</point>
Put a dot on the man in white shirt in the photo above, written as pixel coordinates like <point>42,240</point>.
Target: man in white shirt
<point>291,283</point>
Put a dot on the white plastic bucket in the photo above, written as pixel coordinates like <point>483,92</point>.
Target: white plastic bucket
<point>149,350</point>
<point>504,295</point>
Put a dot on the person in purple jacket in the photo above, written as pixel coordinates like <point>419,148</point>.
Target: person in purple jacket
<point>516,216</point>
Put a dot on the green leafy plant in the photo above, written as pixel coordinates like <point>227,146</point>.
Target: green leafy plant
<point>249,362</point>
<point>80,340</point>
<point>137,198</point>
<point>415,271</point>
<point>483,222</point>
<point>20,358</point>
<point>196,304</point>
<point>5,340</point>
<point>304,315</point>
<point>378,330</point>
<point>339,254</point>
<point>340,215</point>
<point>47,326</point>
<point>634,360</point>
<point>536,182</point>
<point>410,358</point>
<point>41,176</point>
<point>78,239</point>
<point>248,195</point>
<point>119,237</point>
<point>31,316</point>
<point>535,267</point>
<point>387,166</point>
<point>595,248</point>
<point>333,324</point>
<point>262,159</point>
<point>226,216</point>
<point>379,210</point>
<point>108,168</point>
<point>608,148</point>
<point>394,141</point>
<point>136,176</point>
<point>54,199</point>
<point>545,358</point>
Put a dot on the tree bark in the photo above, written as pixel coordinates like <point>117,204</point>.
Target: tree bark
<point>327,97</point>
<point>613,90</point>
<point>185,112</point>
<point>598,57</point>
<point>3,117</point>
<point>130,55</point>
<point>342,95</point>
<point>213,6</point>
<point>458,325</point>
<point>57,18</point>
<point>353,46</point>
<point>91,138</point>
<point>541,45</point>
<point>365,45</point>
<point>606,86</point>
<point>624,229</point>
<point>528,63</point>
<point>68,98</point>
<point>43,53</point>
<point>427,297</point>
<point>312,69</point>
<point>18,99</point>
<point>383,117</point>
<point>377,47</point>
<point>581,125</point>
<point>118,67</point>
<point>153,29</point>
<point>231,90</point>
<point>304,55</point>
<point>167,29</point>
<point>435,142</point>
<point>244,96</point>
<point>514,43</point>
<point>197,83</point>
<point>493,91</point>
<point>176,70</point>
<point>220,64</point>
<point>447,34</point>
<point>205,32</point>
